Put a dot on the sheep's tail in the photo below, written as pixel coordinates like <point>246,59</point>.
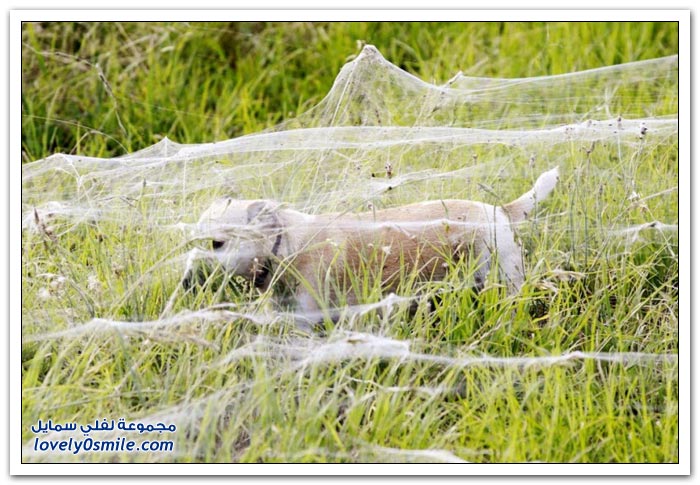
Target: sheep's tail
<point>520,208</point>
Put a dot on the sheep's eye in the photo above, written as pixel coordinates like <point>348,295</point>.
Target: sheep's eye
<point>217,244</point>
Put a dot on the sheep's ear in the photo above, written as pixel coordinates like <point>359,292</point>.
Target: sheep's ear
<point>260,209</point>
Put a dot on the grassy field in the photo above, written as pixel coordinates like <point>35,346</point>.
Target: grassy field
<point>577,368</point>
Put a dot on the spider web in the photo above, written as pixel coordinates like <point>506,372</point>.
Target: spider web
<point>380,138</point>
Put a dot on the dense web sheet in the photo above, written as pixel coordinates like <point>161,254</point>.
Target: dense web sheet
<point>375,114</point>
<point>380,138</point>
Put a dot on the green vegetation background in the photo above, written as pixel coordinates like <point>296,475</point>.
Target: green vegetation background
<point>104,89</point>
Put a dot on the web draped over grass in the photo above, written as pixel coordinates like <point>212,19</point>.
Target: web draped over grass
<point>590,343</point>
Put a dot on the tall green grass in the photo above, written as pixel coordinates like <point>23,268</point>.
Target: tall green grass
<point>103,89</point>
<point>202,82</point>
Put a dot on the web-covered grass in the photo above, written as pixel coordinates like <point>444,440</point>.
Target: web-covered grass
<point>580,366</point>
